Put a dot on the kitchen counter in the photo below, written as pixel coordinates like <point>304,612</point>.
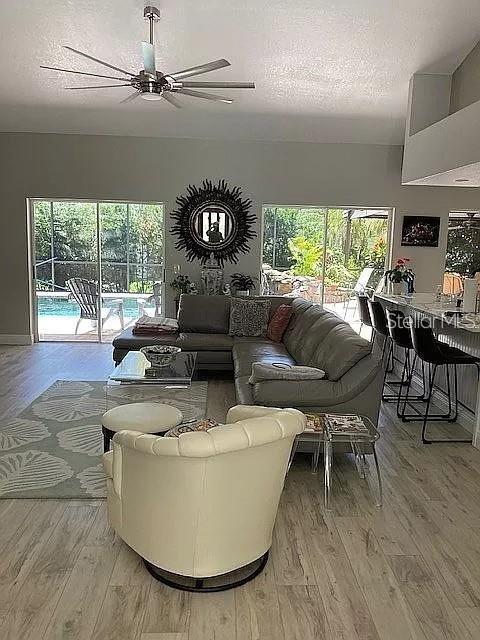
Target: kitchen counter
<point>425,304</point>
<point>458,330</point>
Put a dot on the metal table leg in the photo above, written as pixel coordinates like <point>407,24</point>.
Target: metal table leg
<point>316,455</point>
<point>379,477</point>
<point>327,450</point>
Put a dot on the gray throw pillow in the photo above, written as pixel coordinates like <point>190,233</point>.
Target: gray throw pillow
<point>249,318</point>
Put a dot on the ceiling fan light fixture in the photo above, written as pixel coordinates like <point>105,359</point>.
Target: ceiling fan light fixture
<point>151,95</point>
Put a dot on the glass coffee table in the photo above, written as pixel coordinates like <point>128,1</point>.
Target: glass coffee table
<point>361,444</point>
<point>135,369</point>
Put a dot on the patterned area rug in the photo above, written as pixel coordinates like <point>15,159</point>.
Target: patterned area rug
<point>53,449</point>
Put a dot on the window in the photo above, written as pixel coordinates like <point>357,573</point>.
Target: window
<point>463,243</point>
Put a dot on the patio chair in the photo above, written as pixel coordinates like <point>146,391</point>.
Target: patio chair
<point>361,286</point>
<point>85,294</point>
<point>452,283</point>
<point>156,298</point>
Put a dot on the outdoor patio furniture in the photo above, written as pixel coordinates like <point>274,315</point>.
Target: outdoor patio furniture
<point>156,298</point>
<point>452,283</point>
<point>361,286</point>
<point>85,294</point>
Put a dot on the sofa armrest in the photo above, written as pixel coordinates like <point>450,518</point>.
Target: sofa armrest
<point>305,393</point>
<point>146,443</point>
<point>245,411</point>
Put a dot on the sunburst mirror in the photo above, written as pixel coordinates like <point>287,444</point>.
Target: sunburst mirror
<point>213,218</point>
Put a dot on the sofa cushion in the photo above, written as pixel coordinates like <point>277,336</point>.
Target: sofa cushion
<point>319,338</point>
<point>126,340</point>
<point>275,302</point>
<point>341,350</point>
<point>245,353</point>
<point>279,322</point>
<point>249,317</point>
<point>203,314</point>
<point>204,342</point>
<point>325,393</point>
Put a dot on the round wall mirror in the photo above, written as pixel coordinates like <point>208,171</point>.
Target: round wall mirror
<point>213,219</point>
<point>213,225</point>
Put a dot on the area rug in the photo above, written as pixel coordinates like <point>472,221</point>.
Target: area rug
<point>53,449</point>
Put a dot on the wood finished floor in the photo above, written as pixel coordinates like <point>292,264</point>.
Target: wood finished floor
<point>409,571</point>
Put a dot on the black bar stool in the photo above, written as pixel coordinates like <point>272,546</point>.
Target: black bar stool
<point>437,354</point>
<point>379,322</point>
<point>364,312</point>
<point>400,336</point>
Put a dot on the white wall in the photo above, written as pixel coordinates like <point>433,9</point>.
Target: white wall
<point>439,147</point>
<point>103,167</point>
<point>466,81</point>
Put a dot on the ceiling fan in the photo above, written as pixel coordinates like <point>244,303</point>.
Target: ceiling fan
<point>470,222</point>
<point>151,84</point>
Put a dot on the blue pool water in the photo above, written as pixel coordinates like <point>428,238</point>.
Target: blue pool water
<point>65,308</point>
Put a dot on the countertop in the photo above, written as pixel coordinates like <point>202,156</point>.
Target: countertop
<point>426,303</point>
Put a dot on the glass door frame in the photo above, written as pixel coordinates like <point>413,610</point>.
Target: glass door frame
<point>30,202</point>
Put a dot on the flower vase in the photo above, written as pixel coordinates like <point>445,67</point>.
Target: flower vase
<point>398,288</point>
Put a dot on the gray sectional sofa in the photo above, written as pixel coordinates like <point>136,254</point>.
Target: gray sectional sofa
<point>314,337</point>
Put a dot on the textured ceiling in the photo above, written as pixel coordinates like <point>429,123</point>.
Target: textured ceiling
<point>326,70</point>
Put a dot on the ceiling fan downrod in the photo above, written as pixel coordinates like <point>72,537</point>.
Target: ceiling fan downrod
<point>152,14</point>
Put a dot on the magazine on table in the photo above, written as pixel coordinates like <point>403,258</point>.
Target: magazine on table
<point>315,423</point>
<point>347,425</point>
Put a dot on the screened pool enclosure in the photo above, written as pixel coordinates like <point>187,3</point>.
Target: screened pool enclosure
<point>95,260</point>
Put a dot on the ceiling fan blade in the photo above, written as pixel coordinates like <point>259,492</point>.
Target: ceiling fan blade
<point>171,99</point>
<point>205,96</point>
<point>131,97</point>
<point>148,52</point>
<point>82,73</point>
<point>105,64</point>
<point>203,68</point>
<point>100,86</point>
<point>218,85</point>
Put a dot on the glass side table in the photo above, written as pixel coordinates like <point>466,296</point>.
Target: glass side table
<point>362,445</point>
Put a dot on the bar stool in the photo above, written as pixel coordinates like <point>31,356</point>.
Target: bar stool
<point>364,312</point>
<point>437,354</point>
<point>379,323</point>
<point>400,336</point>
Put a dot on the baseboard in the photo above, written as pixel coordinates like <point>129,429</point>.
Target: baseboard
<point>6,338</point>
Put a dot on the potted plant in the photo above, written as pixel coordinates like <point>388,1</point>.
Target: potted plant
<point>182,284</point>
<point>242,283</point>
<point>401,276</point>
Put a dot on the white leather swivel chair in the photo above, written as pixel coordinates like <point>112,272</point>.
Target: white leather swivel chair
<point>202,505</point>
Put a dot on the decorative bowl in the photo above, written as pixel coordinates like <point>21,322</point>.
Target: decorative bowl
<point>160,355</point>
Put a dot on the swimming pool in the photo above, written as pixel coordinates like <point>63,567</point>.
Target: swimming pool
<point>61,307</point>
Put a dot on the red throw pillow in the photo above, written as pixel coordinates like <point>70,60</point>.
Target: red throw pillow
<point>279,322</point>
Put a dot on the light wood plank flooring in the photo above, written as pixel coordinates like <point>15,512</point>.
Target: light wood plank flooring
<point>408,571</point>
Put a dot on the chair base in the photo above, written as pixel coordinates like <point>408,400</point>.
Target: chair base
<point>222,582</point>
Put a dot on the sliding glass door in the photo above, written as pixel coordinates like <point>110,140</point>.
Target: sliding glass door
<point>98,267</point>
<point>323,253</point>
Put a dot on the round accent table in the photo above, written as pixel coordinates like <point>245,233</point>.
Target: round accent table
<point>145,417</point>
